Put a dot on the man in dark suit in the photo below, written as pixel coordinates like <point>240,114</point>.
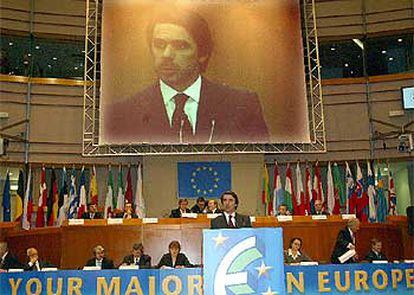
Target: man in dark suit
<point>346,241</point>
<point>7,259</point>
<point>230,218</point>
<point>200,206</point>
<point>128,212</point>
<point>34,263</point>
<point>99,259</point>
<point>375,252</point>
<point>182,208</point>
<point>137,257</point>
<point>183,105</point>
<point>319,210</point>
<point>92,212</point>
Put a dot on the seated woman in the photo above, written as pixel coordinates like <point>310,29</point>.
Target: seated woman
<point>375,253</point>
<point>174,258</point>
<point>213,207</point>
<point>294,254</point>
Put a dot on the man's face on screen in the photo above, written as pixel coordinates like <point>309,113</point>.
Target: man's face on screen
<point>175,55</point>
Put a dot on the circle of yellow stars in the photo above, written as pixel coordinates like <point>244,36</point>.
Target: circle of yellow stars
<point>194,174</point>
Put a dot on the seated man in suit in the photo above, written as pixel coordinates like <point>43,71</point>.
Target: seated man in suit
<point>183,105</point>
<point>34,263</point>
<point>282,210</point>
<point>137,257</point>
<point>319,210</point>
<point>346,241</point>
<point>174,258</point>
<point>7,259</point>
<point>199,206</point>
<point>213,207</point>
<point>92,212</point>
<point>230,218</point>
<point>128,212</point>
<point>182,208</point>
<point>375,252</point>
<point>99,259</point>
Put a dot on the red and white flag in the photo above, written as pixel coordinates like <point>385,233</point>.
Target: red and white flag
<point>42,202</point>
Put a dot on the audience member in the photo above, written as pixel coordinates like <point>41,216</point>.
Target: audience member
<point>230,218</point>
<point>346,241</point>
<point>182,208</point>
<point>34,263</point>
<point>199,206</point>
<point>213,207</point>
<point>137,257</point>
<point>7,259</point>
<point>294,254</point>
<point>319,210</point>
<point>128,212</point>
<point>174,258</point>
<point>92,212</point>
<point>99,259</point>
<point>282,210</point>
<point>375,252</point>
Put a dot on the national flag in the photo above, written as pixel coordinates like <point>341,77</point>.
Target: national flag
<point>139,194</point>
<point>340,195</point>
<point>362,197</point>
<point>317,184</point>
<point>73,197</point>
<point>28,203</point>
<point>308,190</point>
<point>330,190</point>
<point>120,191</point>
<point>300,193</point>
<point>42,202</point>
<point>382,209</point>
<point>266,191</point>
<point>52,200</point>
<point>93,191</point>
<point>289,191</point>
<point>6,199</point>
<point>350,190</point>
<point>82,193</point>
<point>128,190</point>
<point>372,194</point>
<point>278,193</point>
<point>63,198</point>
<point>109,195</point>
<point>18,211</point>
<point>392,196</point>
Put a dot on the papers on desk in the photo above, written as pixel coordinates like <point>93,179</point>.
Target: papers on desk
<point>319,217</point>
<point>149,220</point>
<point>213,215</point>
<point>252,219</point>
<point>408,260</point>
<point>379,261</point>
<point>346,256</point>
<point>348,216</point>
<point>76,221</point>
<point>307,263</point>
<point>91,268</point>
<point>15,270</point>
<point>132,266</point>
<point>49,269</point>
<point>189,215</point>
<point>115,221</point>
<point>283,218</point>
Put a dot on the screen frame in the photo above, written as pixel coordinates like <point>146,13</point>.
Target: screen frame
<point>402,98</point>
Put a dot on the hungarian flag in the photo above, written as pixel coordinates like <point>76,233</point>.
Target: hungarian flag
<point>52,200</point>
<point>93,192</point>
<point>28,203</point>
<point>340,196</point>
<point>6,199</point>
<point>289,191</point>
<point>120,199</point>
<point>139,195</point>
<point>350,190</point>
<point>266,191</point>
<point>392,196</point>
<point>42,202</point>
<point>128,190</point>
<point>109,195</point>
<point>18,211</point>
<point>372,194</point>
<point>382,210</point>
<point>63,199</point>
<point>82,193</point>
<point>362,197</point>
<point>278,193</point>
<point>300,193</point>
<point>308,190</point>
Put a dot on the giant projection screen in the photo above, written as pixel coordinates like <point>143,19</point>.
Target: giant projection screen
<point>202,72</point>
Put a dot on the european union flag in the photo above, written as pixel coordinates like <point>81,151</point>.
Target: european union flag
<point>203,179</point>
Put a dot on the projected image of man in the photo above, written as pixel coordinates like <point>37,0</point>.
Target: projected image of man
<point>183,105</point>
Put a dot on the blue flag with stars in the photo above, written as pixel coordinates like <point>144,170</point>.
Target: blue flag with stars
<point>203,179</point>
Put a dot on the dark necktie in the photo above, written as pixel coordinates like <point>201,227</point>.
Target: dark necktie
<point>180,123</point>
<point>231,221</point>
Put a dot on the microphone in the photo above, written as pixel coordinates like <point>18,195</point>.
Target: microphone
<point>213,124</point>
